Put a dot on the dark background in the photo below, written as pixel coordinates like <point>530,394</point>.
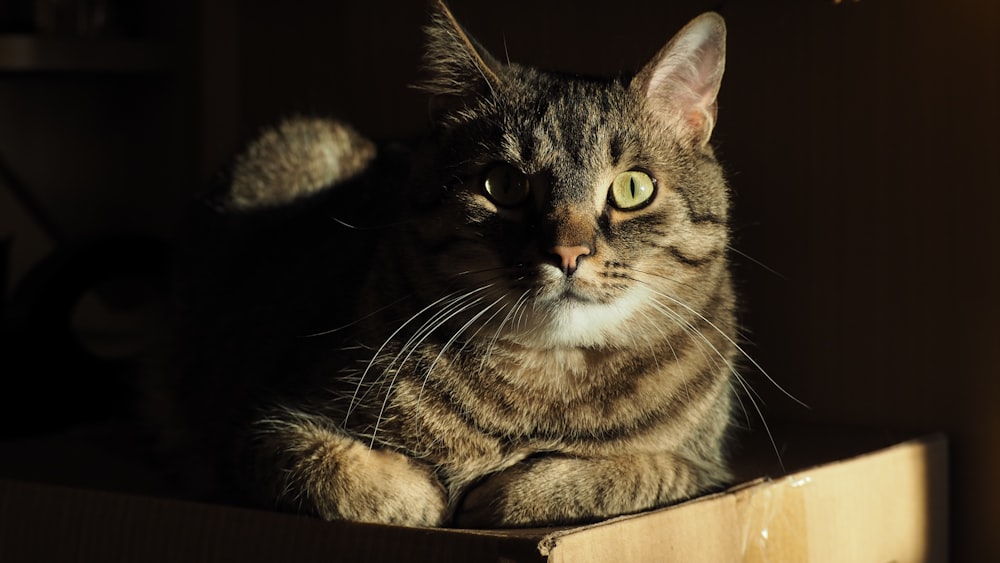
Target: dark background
<point>861,138</point>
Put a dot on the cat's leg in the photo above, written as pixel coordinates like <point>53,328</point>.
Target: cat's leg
<point>306,464</point>
<point>560,489</point>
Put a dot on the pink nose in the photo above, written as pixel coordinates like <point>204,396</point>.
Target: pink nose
<point>568,256</point>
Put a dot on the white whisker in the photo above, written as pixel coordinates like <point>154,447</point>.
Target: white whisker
<point>728,338</point>
<point>455,338</point>
<point>386,343</point>
<point>356,321</point>
<point>692,330</point>
<point>757,262</point>
<point>456,307</point>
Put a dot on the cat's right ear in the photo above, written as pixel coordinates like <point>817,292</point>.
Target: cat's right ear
<point>459,68</point>
<point>681,83</point>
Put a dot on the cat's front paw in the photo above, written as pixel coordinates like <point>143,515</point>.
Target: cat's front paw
<point>540,492</point>
<point>383,487</point>
<point>556,490</point>
<point>485,505</point>
<point>313,468</point>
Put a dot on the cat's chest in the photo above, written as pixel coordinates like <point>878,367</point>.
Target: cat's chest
<point>559,394</point>
<point>551,372</point>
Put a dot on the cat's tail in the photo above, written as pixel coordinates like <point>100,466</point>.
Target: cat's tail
<point>299,157</point>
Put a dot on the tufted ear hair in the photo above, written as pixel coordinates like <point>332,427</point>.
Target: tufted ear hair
<point>681,83</point>
<point>458,67</point>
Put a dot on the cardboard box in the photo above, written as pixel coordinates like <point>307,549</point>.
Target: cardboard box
<point>875,504</point>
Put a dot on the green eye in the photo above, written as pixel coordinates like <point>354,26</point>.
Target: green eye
<point>505,185</point>
<point>632,190</point>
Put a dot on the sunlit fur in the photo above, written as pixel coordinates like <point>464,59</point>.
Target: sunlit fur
<point>424,356</point>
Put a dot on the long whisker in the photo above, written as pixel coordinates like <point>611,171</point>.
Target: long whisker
<point>693,331</point>
<point>449,300</point>
<point>428,329</point>
<point>736,375</point>
<point>447,345</point>
<point>356,321</point>
<point>451,279</point>
<point>369,227</point>
<point>407,349</point>
<point>512,310</point>
<point>724,335</point>
<point>700,339</point>
<point>485,323</point>
<point>456,306</point>
<point>757,262</point>
<point>385,344</point>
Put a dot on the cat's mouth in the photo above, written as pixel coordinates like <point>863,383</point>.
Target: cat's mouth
<point>553,289</point>
<point>571,295</point>
<point>566,294</point>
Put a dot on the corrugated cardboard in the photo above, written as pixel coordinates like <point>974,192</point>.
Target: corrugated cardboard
<point>889,504</point>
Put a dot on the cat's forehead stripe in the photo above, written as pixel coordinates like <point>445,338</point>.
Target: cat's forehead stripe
<point>615,149</point>
<point>562,136</point>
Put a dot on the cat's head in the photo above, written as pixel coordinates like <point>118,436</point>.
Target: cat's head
<point>575,210</point>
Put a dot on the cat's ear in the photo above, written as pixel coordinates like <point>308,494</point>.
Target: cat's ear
<point>681,83</point>
<point>458,67</point>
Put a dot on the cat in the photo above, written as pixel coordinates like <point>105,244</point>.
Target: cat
<point>526,318</point>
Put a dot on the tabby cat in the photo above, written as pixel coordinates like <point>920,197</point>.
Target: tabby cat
<point>524,319</point>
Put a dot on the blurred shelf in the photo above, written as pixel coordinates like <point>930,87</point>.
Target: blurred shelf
<point>25,53</point>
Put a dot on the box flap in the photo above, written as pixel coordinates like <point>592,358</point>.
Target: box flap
<point>888,505</point>
<point>663,535</point>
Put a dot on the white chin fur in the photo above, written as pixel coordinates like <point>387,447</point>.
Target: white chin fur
<point>578,324</point>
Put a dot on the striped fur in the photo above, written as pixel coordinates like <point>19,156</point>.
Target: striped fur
<point>467,375</point>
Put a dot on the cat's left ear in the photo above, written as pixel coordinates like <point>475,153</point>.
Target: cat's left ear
<point>458,67</point>
<point>681,83</point>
